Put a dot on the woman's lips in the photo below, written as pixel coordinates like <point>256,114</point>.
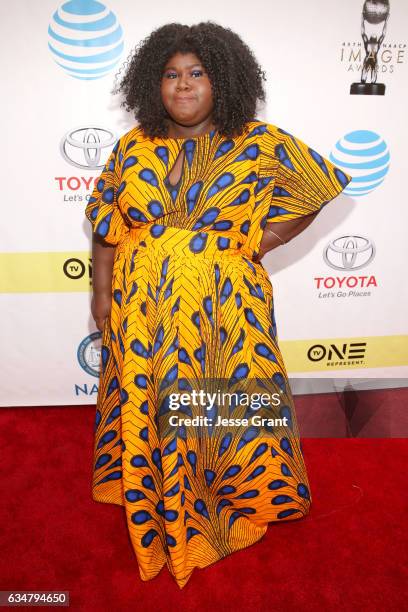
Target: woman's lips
<point>183,99</point>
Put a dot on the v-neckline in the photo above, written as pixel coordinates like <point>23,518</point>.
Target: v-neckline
<point>210,135</point>
<point>174,189</point>
<point>182,144</point>
<point>182,171</point>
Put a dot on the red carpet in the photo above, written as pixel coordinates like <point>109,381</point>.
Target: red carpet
<point>350,553</point>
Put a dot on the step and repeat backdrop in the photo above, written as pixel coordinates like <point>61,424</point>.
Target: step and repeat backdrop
<point>336,78</point>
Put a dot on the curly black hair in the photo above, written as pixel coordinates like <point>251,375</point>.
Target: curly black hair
<point>235,76</point>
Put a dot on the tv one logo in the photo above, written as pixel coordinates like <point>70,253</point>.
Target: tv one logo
<point>346,353</point>
<point>75,268</point>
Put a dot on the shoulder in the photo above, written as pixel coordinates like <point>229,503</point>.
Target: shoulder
<point>269,139</point>
<point>256,129</point>
<point>134,134</point>
<point>273,133</point>
<point>266,134</point>
<point>126,145</point>
<point>280,142</point>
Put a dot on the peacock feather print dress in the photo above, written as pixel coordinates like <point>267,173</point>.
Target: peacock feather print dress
<point>199,477</point>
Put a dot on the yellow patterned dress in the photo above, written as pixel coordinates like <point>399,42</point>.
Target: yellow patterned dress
<point>191,311</point>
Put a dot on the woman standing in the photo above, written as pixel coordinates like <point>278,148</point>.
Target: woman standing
<point>188,203</point>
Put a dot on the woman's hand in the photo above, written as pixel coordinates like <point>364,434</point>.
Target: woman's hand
<point>103,256</point>
<point>100,308</point>
<point>282,233</point>
<point>257,258</point>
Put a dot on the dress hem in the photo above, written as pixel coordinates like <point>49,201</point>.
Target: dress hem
<point>181,583</point>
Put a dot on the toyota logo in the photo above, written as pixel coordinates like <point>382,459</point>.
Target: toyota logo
<point>82,146</point>
<point>349,253</point>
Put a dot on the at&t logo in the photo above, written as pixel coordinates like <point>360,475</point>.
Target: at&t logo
<point>365,155</point>
<point>85,39</point>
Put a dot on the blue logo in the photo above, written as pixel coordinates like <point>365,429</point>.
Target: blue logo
<point>89,354</point>
<point>365,156</point>
<point>85,39</point>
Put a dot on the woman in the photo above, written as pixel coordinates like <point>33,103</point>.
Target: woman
<point>187,205</point>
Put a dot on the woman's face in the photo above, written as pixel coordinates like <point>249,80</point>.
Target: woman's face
<point>186,90</point>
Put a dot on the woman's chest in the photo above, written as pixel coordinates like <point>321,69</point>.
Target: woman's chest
<point>215,182</point>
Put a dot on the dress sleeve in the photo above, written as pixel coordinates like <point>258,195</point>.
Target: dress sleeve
<point>102,209</point>
<point>305,181</point>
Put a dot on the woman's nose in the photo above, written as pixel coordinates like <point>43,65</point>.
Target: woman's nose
<point>183,82</point>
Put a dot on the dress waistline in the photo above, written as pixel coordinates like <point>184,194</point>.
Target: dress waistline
<point>183,242</point>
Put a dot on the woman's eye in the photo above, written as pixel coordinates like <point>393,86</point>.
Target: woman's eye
<point>173,75</point>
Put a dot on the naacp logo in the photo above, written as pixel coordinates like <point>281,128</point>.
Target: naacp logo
<point>82,146</point>
<point>349,253</point>
<point>89,354</point>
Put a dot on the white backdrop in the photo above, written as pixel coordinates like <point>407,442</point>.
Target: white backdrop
<point>310,52</point>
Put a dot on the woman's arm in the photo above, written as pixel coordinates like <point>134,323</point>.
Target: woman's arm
<point>102,267</point>
<point>286,230</point>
